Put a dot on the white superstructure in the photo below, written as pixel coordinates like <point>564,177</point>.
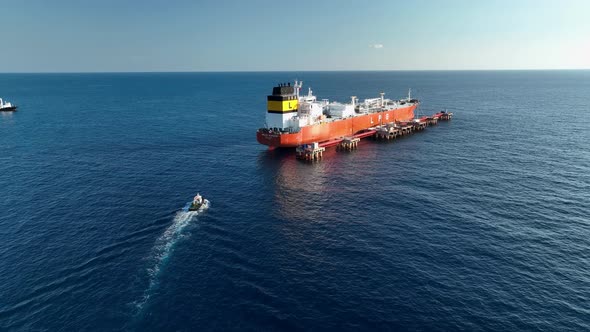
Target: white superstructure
<point>288,111</point>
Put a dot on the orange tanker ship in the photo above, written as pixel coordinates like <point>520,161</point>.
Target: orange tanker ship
<point>294,120</point>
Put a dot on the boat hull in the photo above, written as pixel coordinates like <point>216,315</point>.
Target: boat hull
<point>192,206</point>
<point>333,130</point>
<point>8,109</point>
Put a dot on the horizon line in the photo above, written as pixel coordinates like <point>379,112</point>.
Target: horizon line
<point>288,71</point>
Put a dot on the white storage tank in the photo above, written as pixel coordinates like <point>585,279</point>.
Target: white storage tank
<point>341,110</point>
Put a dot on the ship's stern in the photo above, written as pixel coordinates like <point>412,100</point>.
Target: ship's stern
<point>274,139</point>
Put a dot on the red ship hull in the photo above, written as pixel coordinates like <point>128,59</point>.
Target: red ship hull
<point>333,130</point>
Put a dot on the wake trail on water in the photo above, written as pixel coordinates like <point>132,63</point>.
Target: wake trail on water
<point>163,248</point>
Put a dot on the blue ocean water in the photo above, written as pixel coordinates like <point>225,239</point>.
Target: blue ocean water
<point>481,223</point>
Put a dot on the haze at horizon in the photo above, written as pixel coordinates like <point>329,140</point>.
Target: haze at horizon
<point>86,36</point>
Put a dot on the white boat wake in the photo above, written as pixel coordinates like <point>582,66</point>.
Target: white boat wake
<point>165,244</point>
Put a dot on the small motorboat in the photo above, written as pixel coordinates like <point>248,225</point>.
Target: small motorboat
<point>6,107</point>
<point>197,203</point>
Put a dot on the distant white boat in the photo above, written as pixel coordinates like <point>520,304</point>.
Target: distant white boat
<point>6,107</point>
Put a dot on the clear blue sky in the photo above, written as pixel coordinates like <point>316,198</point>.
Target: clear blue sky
<point>149,35</point>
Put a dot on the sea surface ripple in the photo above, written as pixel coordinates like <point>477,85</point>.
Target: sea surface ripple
<point>481,223</point>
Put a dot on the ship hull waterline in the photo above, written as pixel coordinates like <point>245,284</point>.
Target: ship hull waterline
<point>332,130</point>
